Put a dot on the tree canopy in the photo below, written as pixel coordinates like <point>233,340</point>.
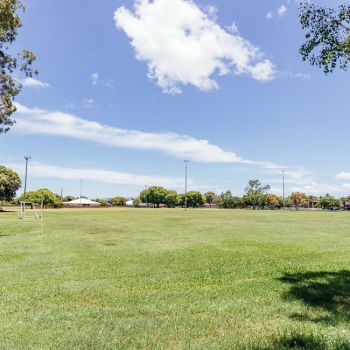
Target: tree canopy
<point>11,64</point>
<point>10,182</point>
<point>44,195</point>
<point>117,201</point>
<point>327,42</point>
<point>255,194</point>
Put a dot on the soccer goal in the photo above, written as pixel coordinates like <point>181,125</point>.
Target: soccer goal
<point>29,210</point>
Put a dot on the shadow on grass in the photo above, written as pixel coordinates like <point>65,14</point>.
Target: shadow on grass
<point>326,291</point>
<point>303,341</point>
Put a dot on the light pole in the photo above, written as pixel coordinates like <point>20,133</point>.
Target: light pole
<point>146,196</point>
<point>27,158</point>
<point>284,196</point>
<point>186,170</point>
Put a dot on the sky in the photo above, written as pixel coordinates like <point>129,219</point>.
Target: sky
<point>128,90</point>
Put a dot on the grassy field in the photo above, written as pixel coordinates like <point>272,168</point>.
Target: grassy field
<point>166,279</point>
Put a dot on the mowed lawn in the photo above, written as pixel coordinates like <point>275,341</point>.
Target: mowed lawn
<point>169,279</point>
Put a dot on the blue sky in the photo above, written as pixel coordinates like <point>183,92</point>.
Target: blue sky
<point>126,93</point>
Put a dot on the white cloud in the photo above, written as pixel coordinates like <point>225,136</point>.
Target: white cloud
<point>39,121</point>
<point>39,170</point>
<point>298,75</point>
<point>282,10</point>
<point>34,83</point>
<point>270,15</point>
<point>183,45</point>
<point>343,176</point>
<point>94,78</point>
<point>89,103</point>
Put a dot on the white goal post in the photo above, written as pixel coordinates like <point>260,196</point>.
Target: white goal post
<point>28,210</point>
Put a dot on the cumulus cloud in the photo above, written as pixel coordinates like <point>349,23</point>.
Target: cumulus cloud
<point>94,78</point>
<point>270,15</point>
<point>183,45</point>
<point>282,10</point>
<point>34,83</point>
<point>279,12</point>
<point>40,170</point>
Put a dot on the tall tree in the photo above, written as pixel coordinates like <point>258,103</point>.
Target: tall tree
<point>273,201</point>
<point>298,199</point>
<point>10,182</point>
<point>172,199</point>
<point>327,42</point>
<point>10,64</point>
<point>228,201</point>
<point>155,195</point>
<point>194,199</point>
<point>255,194</point>
<point>210,197</point>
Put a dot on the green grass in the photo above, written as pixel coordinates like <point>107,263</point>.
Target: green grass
<point>166,279</point>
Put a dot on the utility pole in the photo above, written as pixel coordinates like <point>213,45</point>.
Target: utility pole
<point>284,196</point>
<point>146,196</point>
<point>27,158</point>
<point>186,170</point>
<point>61,192</point>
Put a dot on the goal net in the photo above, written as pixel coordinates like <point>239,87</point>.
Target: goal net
<point>30,210</point>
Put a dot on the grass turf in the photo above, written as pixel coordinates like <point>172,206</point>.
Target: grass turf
<point>166,279</point>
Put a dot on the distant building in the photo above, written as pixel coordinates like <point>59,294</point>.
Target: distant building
<point>82,202</point>
<point>347,206</point>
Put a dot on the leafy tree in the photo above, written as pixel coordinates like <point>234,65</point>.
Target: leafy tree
<point>137,202</point>
<point>172,199</point>
<point>210,197</point>
<point>101,201</point>
<point>68,198</point>
<point>118,201</point>
<point>155,195</point>
<point>10,22</point>
<point>255,194</point>
<point>328,36</point>
<point>45,195</point>
<point>273,201</point>
<point>298,199</point>
<point>228,201</point>
<point>10,182</point>
<point>194,199</point>
<point>345,200</point>
<point>329,202</point>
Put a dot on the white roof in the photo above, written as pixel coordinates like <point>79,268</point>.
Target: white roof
<point>130,202</point>
<point>82,201</point>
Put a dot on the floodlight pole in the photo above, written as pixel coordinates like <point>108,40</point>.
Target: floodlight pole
<point>186,170</point>
<point>284,196</point>
<point>27,158</point>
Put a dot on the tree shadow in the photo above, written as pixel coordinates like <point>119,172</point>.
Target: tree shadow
<point>303,341</point>
<point>327,291</point>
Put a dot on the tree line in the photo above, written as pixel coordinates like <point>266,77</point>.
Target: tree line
<point>256,196</point>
